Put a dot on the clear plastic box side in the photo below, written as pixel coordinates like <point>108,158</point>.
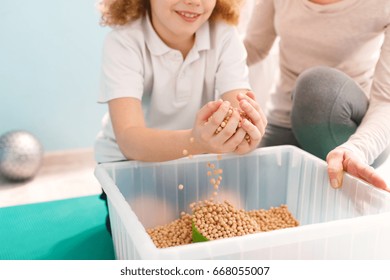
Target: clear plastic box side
<point>145,195</point>
<point>129,236</point>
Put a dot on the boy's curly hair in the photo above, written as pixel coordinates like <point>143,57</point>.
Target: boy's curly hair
<point>121,12</point>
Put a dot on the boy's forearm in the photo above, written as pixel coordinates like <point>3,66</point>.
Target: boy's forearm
<point>154,145</point>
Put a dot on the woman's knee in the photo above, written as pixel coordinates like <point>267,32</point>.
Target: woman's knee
<point>326,93</point>
<point>321,83</point>
<point>315,94</point>
<point>325,103</point>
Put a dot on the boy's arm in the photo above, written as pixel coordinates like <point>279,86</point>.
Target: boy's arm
<point>138,142</point>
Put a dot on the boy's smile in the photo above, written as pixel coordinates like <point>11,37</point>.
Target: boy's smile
<point>176,21</point>
<point>188,16</point>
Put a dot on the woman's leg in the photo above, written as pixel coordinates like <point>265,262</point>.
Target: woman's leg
<point>276,135</point>
<point>328,106</point>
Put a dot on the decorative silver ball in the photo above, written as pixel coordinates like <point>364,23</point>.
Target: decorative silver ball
<point>20,155</point>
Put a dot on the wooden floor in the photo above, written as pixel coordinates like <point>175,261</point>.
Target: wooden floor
<point>70,174</point>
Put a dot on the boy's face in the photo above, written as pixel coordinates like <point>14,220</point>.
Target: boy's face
<point>179,19</point>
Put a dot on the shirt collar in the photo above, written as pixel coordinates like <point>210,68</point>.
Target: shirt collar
<point>158,47</point>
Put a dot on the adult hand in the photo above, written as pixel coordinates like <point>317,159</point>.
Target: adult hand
<point>256,128</point>
<point>341,159</point>
<point>209,118</point>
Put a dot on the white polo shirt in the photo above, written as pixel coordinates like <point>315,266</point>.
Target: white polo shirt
<point>137,63</point>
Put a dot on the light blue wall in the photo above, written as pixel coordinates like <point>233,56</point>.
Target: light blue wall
<point>50,52</point>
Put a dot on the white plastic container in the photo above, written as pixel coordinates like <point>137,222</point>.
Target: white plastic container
<point>348,223</point>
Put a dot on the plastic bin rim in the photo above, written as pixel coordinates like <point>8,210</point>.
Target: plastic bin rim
<point>204,157</point>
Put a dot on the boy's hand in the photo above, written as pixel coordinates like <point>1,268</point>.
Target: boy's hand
<point>212,133</point>
<point>256,128</point>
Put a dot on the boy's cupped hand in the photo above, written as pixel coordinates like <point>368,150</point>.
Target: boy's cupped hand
<point>220,128</point>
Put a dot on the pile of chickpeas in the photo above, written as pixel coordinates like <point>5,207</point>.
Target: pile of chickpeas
<point>216,220</point>
<point>221,220</point>
<point>178,232</point>
<point>274,218</point>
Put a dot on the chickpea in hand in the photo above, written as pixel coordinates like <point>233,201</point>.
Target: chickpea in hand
<point>212,133</point>
<point>255,128</point>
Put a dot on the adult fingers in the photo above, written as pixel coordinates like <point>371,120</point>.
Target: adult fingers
<point>365,172</point>
<point>335,167</point>
<point>340,160</point>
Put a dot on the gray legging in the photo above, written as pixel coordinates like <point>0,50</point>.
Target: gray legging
<point>328,106</point>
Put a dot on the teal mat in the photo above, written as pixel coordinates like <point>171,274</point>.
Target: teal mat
<point>70,229</point>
